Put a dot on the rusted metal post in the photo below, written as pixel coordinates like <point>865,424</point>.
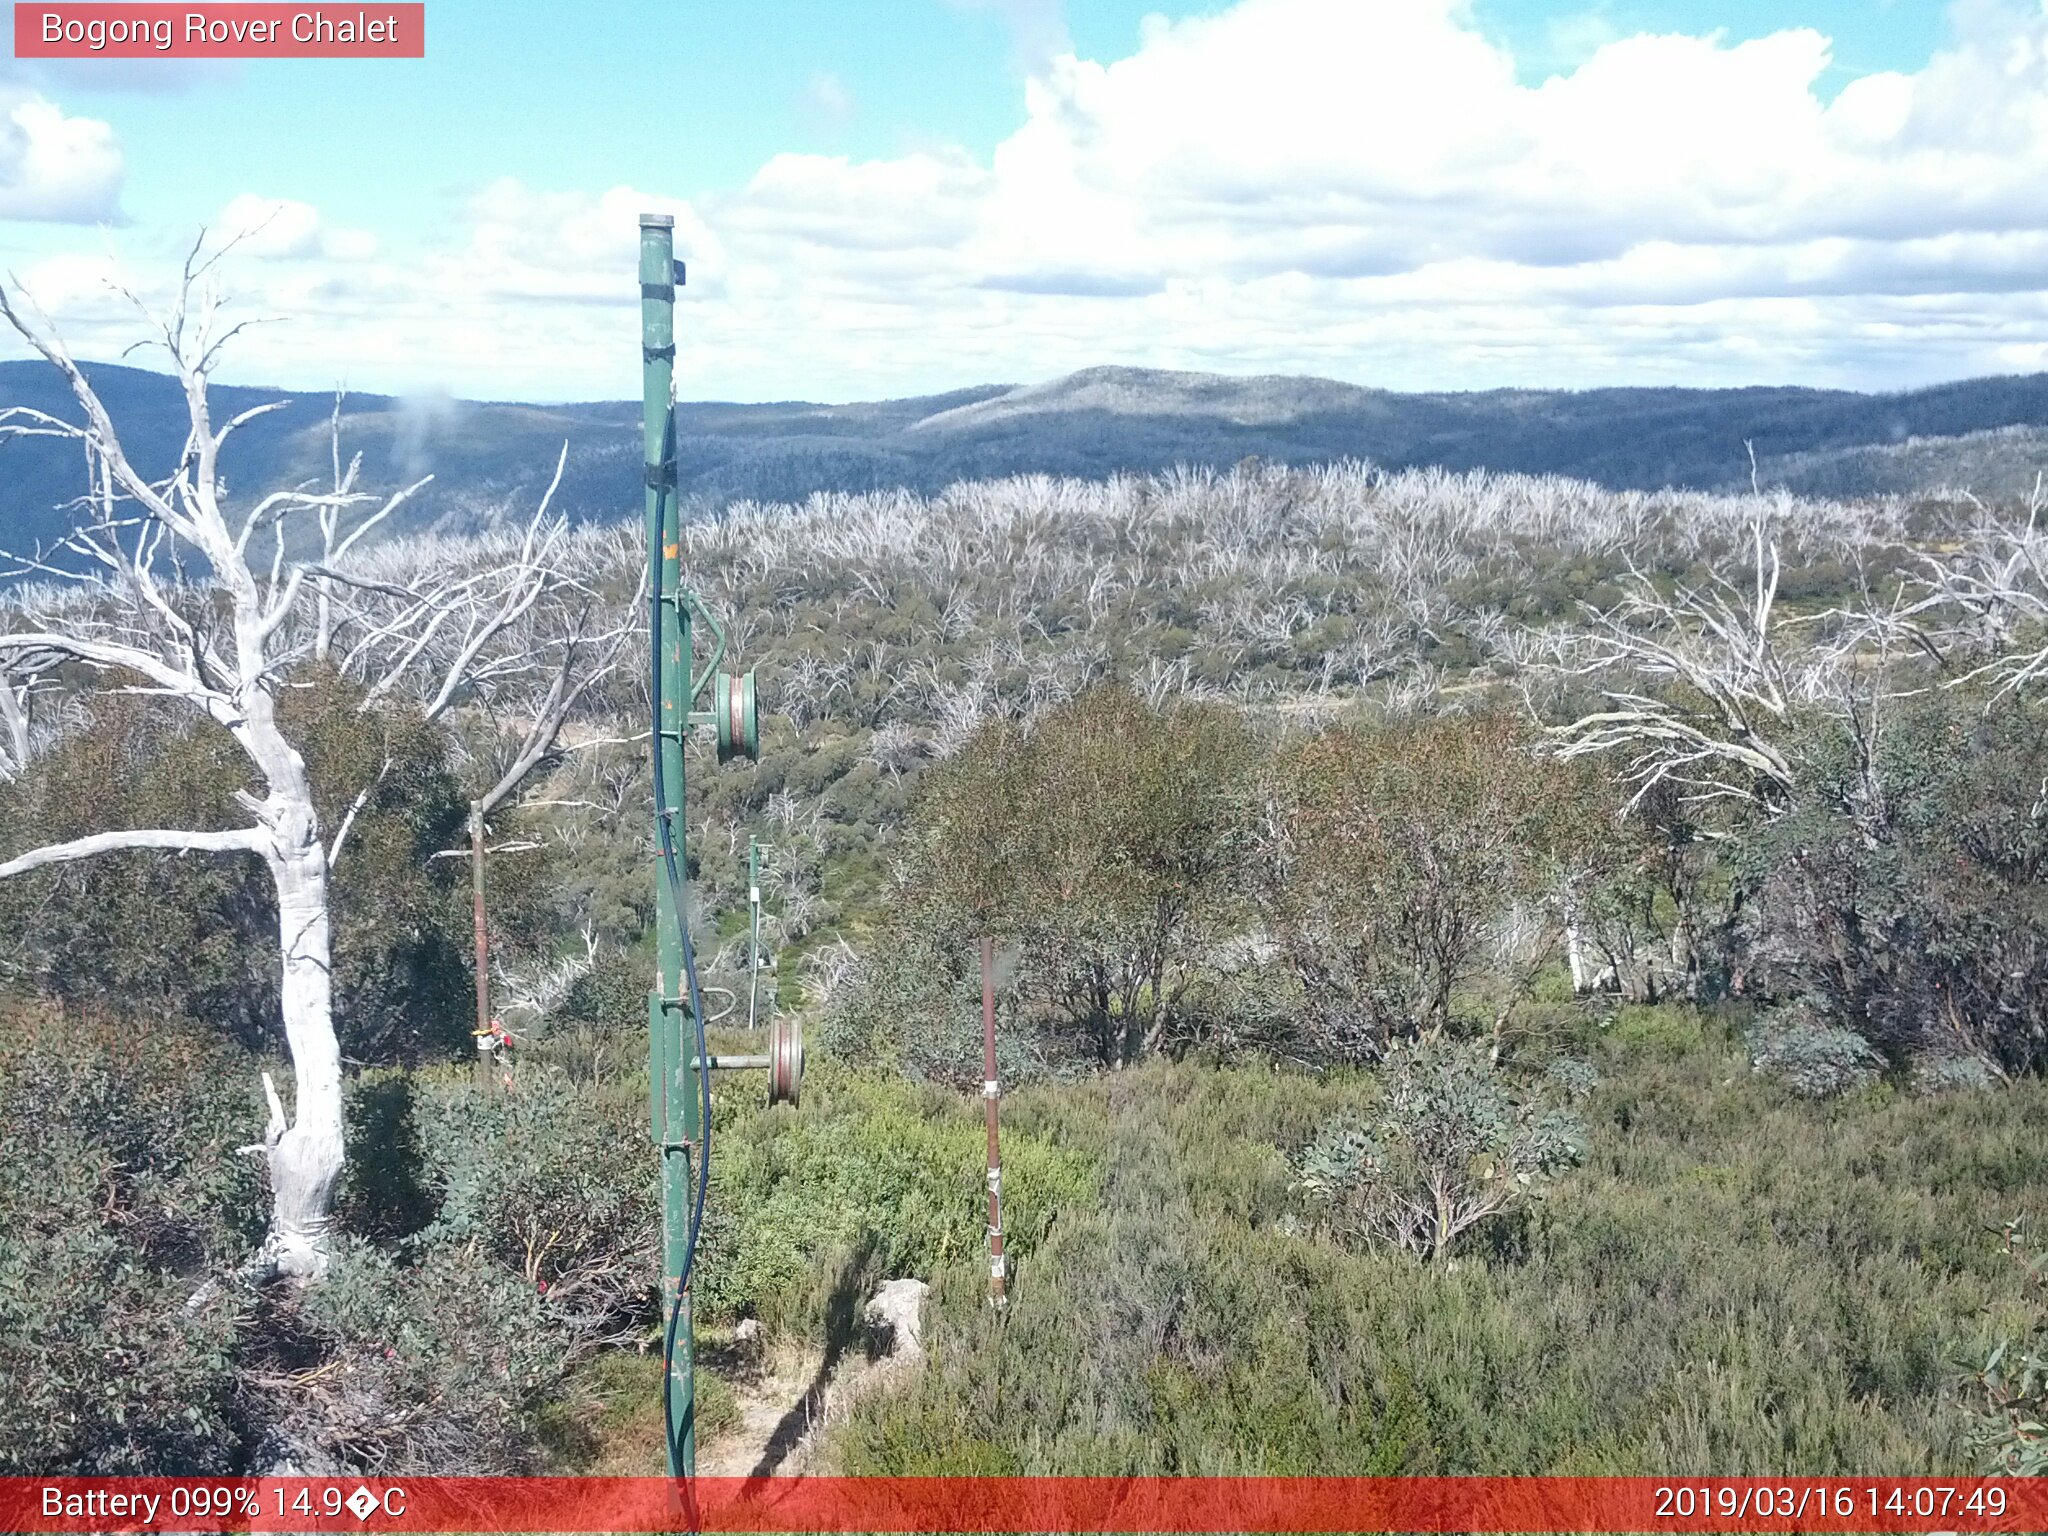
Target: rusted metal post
<point>991,1094</point>
<point>486,1031</point>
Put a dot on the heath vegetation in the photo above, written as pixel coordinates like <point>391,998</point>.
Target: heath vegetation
<point>1497,975</point>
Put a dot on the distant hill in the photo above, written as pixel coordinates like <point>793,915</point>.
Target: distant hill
<point>491,461</point>
<point>2000,464</point>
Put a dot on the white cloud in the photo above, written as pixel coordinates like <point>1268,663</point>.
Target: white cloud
<point>53,167</point>
<point>282,228</point>
<point>1360,189</point>
<point>921,200</point>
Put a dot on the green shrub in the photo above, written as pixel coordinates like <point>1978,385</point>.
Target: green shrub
<point>552,1180</point>
<point>2013,1428</point>
<point>381,1196</point>
<point>870,1179</point>
<point>1450,1145</point>
<point>443,1365</point>
<point>1906,893</point>
<point>1107,841</point>
<point>520,1233</point>
<point>121,1204</point>
<point>1815,1059</point>
<point>1939,1072</point>
<point>1669,1030</point>
<point>913,1005</point>
<point>1397,850</point>
<point>610,998</point>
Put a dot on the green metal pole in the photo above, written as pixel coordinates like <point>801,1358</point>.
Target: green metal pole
<point>675,1111</point>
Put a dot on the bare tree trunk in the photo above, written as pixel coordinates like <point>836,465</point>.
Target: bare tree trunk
<point>306,1155</point>
<point>1683,965</point>
<point>1575,954</point>
<point>14,726</point>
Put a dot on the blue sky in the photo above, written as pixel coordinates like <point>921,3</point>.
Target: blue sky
<point>887,196</point>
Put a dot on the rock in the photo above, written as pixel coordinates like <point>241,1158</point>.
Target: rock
<point>282,1454</point>
<point>897,1311</point>
<point>747,1331</point>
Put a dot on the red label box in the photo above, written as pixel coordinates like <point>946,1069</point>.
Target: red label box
<point>221,31</point>
<point>396,1506</point>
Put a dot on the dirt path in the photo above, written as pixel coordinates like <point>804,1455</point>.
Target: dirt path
<point>779,1408</point>
<point>786,1398</point>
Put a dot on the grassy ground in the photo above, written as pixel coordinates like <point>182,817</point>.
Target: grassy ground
<point>1735,1281</point>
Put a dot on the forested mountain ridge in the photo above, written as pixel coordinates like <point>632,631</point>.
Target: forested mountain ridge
<point>491,460</point>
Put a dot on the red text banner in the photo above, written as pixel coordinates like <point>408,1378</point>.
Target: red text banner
<point>1137,1504</point>
<point>220,31</point>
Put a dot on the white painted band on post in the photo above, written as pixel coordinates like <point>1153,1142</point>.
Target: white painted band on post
<point>995,1181</point>
<point>989,1089</point>
<point>995,1266</point>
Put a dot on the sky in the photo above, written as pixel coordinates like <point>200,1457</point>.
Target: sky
<point>880,198</point>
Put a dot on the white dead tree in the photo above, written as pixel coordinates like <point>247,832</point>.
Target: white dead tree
<point>1727,687</point>
<point>21,683</point>
<point>222,642</point>
<point>1988,598</point>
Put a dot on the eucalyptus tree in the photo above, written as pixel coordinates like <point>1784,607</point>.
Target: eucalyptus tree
<point>1105,838</point>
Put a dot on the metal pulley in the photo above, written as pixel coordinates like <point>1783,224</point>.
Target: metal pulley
<point>785,1061</point>
<point>734,717</point>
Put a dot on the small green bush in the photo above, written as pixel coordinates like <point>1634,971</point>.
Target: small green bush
<point>445,1364</point>
<point>1394,853</point>
<point>610,998</point>
<point>1816,1060</point>
<point>1906,893</point>
<point>553,1181</point>
<point>913,1005</point>
<point>1107,839</point>
<point>121,1204</point>
<point>380,1196</point>
<point>1449,1146</point>
<point>870,1179</point>
<point>1669,1030</point>
<point>2012,1430</point>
